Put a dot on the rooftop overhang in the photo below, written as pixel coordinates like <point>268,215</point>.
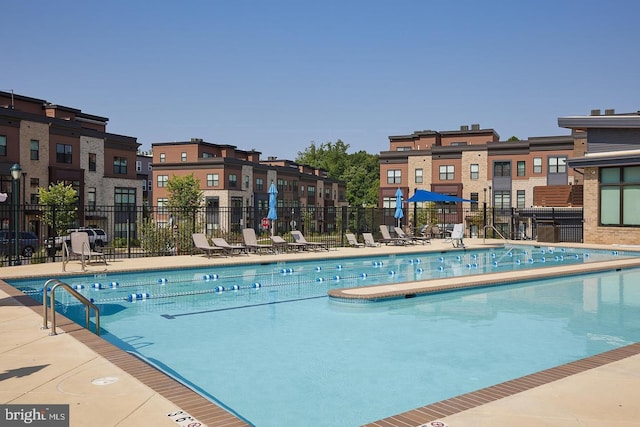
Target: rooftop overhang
<point>631,121</point>
<point>628,159</point>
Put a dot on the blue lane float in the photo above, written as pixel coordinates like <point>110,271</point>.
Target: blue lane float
<point>96,285</point>
<point>339,267</point>
<point>458,258</point>
<point>531,261</point>
<point>416,261</point>
<point>614,253</point>
<point>518,262</point>
<point>114,284</point>
<point>78,287</point>
<point>392,273</point>
<point>138,297</point>
<point>318,268</point>
<point>286,271</point>
<point>495,263</point>
<point>363,276</point>
<point>162,281</point>
<point>256,285</point>
<point>208,277</point>
<point>586,255</point>
<point>441,259</point>
<point>319,280</point>
<point>219,288</point>
<point>419,270</point>
<point>441,268</point>
<point>235,288</point>
<point>336,278</point>
<point>377,263</point>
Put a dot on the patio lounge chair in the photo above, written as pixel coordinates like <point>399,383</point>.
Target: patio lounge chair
<point>299,238</point>
<point>282,245</point>
<point>402,235</point>
<point>369,241</point>
<point>251,242</point>
<point>200,241</point>
<point>81,248</point>
<point>457,235</point>
<point>229,249</point>
<point>386,237</point>
<point>353,241</point>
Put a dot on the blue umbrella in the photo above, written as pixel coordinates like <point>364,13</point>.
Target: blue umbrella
<point>399,214</point>
<point>429,196</point>
<point>273,195</point>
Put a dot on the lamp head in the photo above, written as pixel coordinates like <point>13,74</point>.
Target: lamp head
<point>16,171</point>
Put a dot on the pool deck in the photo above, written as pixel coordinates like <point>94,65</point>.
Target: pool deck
<point>105,386</point>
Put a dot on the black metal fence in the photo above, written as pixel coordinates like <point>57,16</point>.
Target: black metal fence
<point>153,231</point>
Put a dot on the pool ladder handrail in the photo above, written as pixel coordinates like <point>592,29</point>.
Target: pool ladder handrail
<point>87,305</point>
<point>484,234</point>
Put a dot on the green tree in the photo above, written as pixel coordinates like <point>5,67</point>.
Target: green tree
<point>62,206</point>
<point>184,192</point>
<point>513,138</point>
<point>359,171</point>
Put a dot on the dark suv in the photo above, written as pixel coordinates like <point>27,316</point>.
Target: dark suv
<point>27,245</point>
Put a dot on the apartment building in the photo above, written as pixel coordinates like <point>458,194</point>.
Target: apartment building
<point>610,171</point>
<point>54,143</point>
<point>144,160</point>
<point>235,184</point>
<point>474,164</point>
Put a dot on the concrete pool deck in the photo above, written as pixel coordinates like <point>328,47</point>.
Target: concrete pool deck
<point>105,386</point>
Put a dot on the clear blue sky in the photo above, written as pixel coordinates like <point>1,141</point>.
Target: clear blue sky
<point>276,75</point>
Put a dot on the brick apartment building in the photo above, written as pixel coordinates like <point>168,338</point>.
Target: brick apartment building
<point>53,143</point>
<point>474,164</point>
<point>236,185</point>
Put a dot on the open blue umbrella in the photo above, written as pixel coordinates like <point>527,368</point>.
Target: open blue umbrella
<point>399,214</point>
<point>273,196</point>
<point>429,196</point>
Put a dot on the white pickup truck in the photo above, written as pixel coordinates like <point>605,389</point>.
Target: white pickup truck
<point>97,237</point>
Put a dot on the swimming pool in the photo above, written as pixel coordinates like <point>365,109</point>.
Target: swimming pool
<point>283,352</point>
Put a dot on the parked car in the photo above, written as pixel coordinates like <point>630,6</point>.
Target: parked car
<point>97,237</point>
<point>28,243</point>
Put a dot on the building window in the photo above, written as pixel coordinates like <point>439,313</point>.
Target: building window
<point>3,145</point>
<point>311,190</point>
<point>34,199</point>
<point>163,157</point>
<point>92,162</point>
<point>259,184</point>
<point>394,176</point>
<point>91,199</point>
<point>501,168</point>
<point>447,173</point>
<point>502,199</point>
<point>522,168</point>
<point>149,168</point>
<point>620,196</point>
<point>183,157</point>
<point>520,199</point>
<point>163,203</point>
<point>138,166</point>
<point>246,182</point>
<point>418,176</point>
<point>557,165</point>
<point>213,180</point>
<point>474,171</point>
<point>144,185</point>
<point>35,149</point>
<point>474,206</point>
<point>162,180</point>
<point>64,153</point>
<point>120,165</point>
<point>302,190</point>
<point>233,180</point>
<point>34,182</point>
<point>537,165</point>
<point>124,197</point>
<point>389,202</point>
<point>149,185</point>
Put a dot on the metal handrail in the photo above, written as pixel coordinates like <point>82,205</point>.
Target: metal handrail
<point>87,305</point>
<point>484,233</point>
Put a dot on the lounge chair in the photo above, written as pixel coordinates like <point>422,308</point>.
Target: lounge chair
<point>299,238</point>
<point>402,235</point>
<point>81,248</point>
<point>386,237</point>
<point>353,241</point>
<point>282,245</point>
<point>369,241</point>
<point>201,243</point>
<point>457,235</point>
<point>251,242</point>
<point>229,249</point>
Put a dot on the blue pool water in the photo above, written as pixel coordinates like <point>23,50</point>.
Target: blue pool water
<point>283,353</point>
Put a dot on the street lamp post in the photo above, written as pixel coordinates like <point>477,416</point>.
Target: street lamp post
<point>16,173</point>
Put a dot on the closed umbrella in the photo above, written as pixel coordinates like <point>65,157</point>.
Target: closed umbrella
<point>273,214</point>
<point>399,214</point>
